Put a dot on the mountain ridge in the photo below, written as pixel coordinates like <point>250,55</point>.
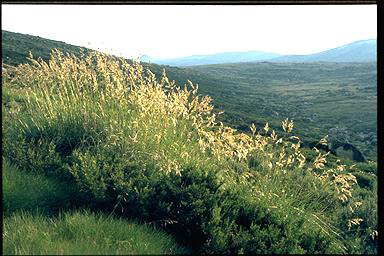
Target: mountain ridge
<point>357,51</point>
<point>217,58</point>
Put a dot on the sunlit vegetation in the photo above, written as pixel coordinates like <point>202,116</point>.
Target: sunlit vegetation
<point>140,146</point>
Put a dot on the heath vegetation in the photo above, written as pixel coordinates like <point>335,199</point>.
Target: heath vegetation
<point>140,146</point>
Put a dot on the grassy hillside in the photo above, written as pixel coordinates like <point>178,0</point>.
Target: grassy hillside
<point>16,46</point>
<point>135,145</point>
<point>140,146</point>
<point>339,99</point>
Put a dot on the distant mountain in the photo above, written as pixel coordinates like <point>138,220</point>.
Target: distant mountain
<point>15,48</point>
<point>359,51</point>
<point>145,58</point>
<point>219,58</point>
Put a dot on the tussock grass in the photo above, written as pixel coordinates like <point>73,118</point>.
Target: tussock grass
<point>154,150</point>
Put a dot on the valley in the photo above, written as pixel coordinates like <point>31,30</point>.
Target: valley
<point>338,99</point>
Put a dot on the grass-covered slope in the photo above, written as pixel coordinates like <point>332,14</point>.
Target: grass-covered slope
<point>38,220</point>
<point>338,99</point>
<point>16,47</point>
<point>141,146</point>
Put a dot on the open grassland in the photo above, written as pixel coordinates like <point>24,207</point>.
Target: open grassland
<point>139,146</point>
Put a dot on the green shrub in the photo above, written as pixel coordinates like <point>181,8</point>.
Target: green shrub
<point>369,167</point>
<point>38,156</point>
<point>365,180</point>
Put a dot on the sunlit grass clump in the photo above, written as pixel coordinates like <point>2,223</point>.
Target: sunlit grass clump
<point>154,150</point>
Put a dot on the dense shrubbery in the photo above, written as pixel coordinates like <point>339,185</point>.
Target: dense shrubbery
<point>148,149</point>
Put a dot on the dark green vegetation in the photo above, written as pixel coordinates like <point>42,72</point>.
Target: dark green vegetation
<point>16,46</point>
<point>23,191</point>
<point>136,146</point>
<point>45,215</point>
<point>338,99</point>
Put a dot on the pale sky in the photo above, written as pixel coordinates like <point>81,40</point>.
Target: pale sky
<point>162,31</point>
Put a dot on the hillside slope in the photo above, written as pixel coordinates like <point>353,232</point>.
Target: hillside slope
<point>338,99</point>
<point>16,46</point>
<point>142,148</point>
<point>320,97</point>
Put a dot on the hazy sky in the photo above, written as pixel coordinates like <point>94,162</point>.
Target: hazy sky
<point>174,31</point>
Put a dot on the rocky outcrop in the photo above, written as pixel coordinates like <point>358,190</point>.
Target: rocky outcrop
<point>348,151</point>
<point>344,150</point>
<point>339,138</point>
